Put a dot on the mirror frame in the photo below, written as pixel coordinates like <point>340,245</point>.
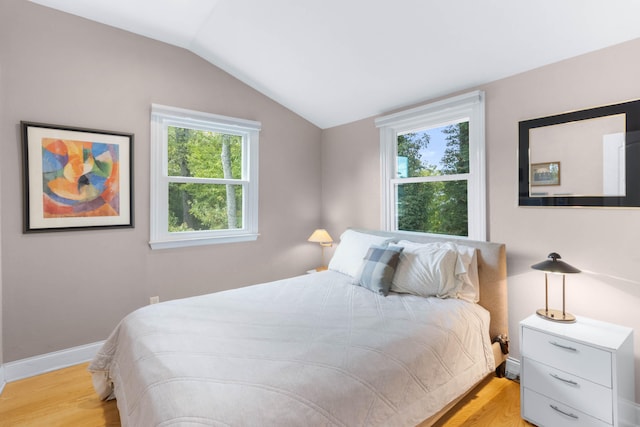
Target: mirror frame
<point>631,109</point>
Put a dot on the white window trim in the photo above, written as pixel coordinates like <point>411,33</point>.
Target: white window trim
<point>163,116</point>
<point>439,113</point>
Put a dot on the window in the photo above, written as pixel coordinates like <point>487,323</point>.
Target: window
<point>204,178</point>
<point>433,168</point>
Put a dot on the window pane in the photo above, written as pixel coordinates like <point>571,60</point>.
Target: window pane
<point>434,151</point>
<point>433,207</point>
<point>195,207</point>
<point>204,154</point>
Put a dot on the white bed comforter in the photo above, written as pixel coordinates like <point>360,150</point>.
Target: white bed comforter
<point>312,350</point>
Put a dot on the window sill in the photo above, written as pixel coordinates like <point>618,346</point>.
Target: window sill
<point>185,243</point>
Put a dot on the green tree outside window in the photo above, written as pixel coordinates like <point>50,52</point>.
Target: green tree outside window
<point>438,206</point>
<point>204,154</point>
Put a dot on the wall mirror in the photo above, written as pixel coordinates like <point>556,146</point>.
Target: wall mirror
<point>581,158</point>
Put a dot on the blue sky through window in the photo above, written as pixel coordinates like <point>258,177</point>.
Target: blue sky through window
<point>434,152</point>
<point>429,156</point>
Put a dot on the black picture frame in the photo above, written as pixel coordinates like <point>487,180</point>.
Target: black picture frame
<point>76,178</point>
<point>631,110</point>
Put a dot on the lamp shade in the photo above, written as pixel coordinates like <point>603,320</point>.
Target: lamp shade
<point>554,265</point>
<point>320,236</point>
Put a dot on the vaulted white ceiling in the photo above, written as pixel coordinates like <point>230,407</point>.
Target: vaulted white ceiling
<point>337,61</point>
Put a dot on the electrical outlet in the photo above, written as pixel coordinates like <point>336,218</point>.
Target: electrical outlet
<point>154,300</point>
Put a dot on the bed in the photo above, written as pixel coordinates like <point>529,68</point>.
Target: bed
<point>328,348</point>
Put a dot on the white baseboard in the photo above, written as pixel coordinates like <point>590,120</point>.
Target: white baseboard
<point>2,380</point>
<point>37,365</point>
<point>630,416</point>
<point>512,370</point>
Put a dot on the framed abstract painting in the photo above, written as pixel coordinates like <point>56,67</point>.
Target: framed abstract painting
<point>76,178</point>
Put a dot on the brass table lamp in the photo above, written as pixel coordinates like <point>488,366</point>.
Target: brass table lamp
<point>554,265</point>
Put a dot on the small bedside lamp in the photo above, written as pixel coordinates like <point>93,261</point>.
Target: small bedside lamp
<point>321,236</point>
<point>554,265</point>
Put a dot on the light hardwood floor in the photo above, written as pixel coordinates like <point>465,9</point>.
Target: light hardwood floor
<point>66,398</point>
<point>495,402</point>
<point>59,398</point>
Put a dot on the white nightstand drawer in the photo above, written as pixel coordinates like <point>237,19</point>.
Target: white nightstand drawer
<point>569,389</point>
<point>549,413</point>
<point>570,356</point>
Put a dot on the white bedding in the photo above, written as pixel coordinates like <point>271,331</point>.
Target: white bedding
<point>310,350</point>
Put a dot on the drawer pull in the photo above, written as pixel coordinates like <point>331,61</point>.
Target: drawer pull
<point>568,414</point>
<point>564,380</point>
<point>564,347</point>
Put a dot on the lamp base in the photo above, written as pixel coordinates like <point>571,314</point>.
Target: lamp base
<point>556,315</point>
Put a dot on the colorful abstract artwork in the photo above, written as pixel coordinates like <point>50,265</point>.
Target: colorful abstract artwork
<point>76,178</point>
<point>79,178</point>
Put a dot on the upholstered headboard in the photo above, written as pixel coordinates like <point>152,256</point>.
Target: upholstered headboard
<point>492,272</point>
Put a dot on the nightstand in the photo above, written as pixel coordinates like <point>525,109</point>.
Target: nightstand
<point>576,374</point>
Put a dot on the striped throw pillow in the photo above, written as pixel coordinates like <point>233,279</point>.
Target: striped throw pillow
<point>378,267</point>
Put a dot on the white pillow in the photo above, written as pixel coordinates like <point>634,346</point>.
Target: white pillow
<point>351,251</point>
<point>426,271</point>
<point>461,282</point>
<point>468,273</point>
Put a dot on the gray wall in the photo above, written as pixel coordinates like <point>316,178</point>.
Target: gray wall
<point>66,289</point>
<point>602,242</point>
